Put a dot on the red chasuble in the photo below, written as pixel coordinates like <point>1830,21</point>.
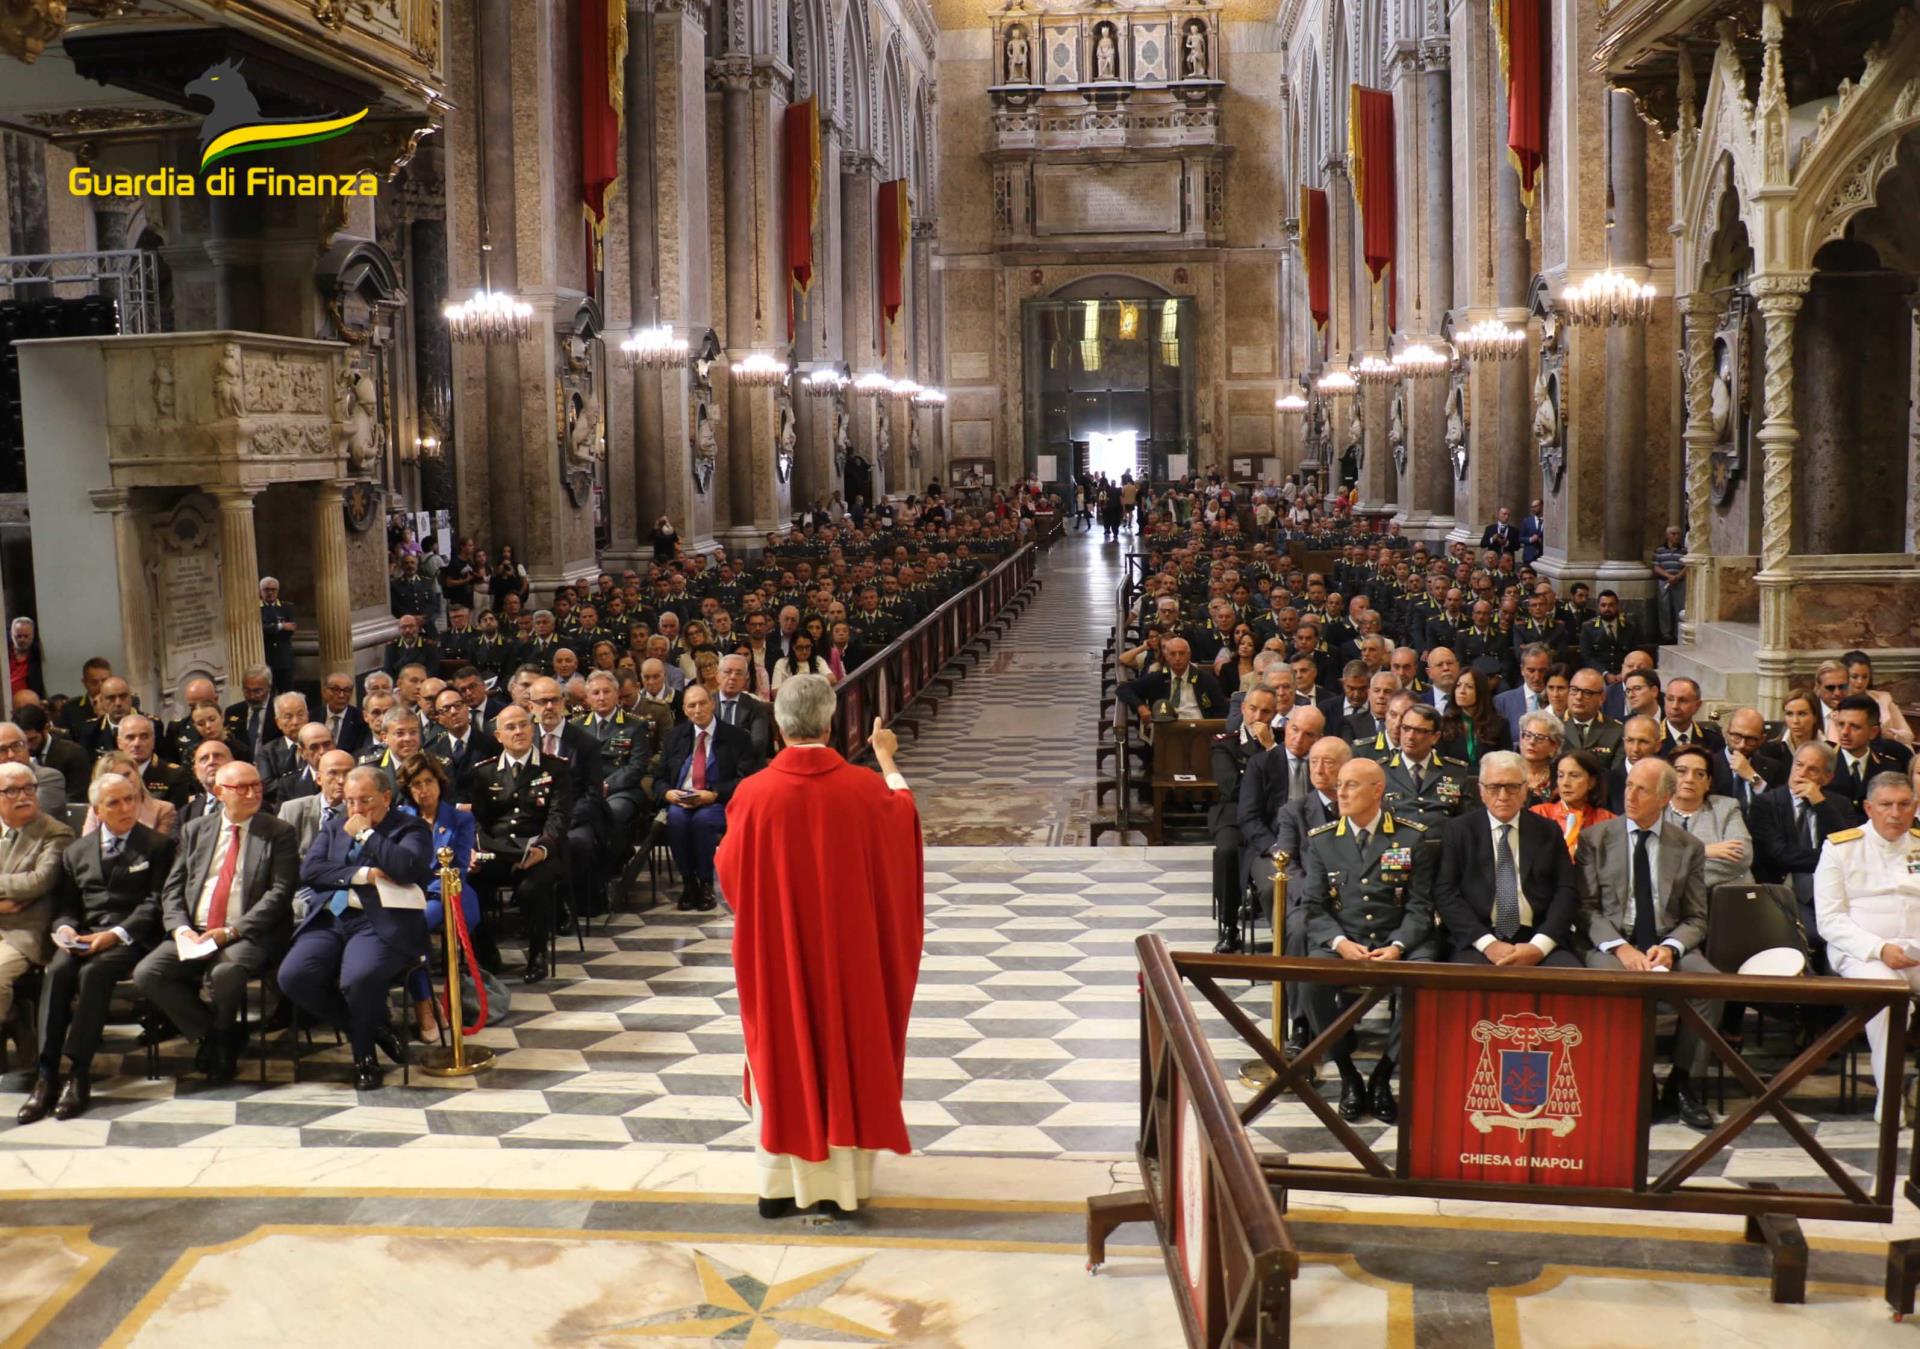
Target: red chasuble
<point>821,863</point>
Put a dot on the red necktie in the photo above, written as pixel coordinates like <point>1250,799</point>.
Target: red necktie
<point>699,778</point>
<point>217,906</point>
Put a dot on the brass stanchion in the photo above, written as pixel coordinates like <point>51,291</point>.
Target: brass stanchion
<point>1257,1073</point>
<point>453,1059</point>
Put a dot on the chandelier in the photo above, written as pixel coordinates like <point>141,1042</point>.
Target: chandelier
<point>490,317</point>
<point>1421,361</point>
<point>824,383</point>
<point>1336,382</point>
<point>1608,299</point>
<point>1291,402</point>
<point>1490,340</point>
<point>903,390</point>
<point>872,384</point>
<point>656,348</point>
<point>1375,370</point>
<point>929,398</point>
<point>760,370</point>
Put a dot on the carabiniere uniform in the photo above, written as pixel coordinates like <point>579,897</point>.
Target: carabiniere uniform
<point>1441,792</point>
<point>1380,895</point>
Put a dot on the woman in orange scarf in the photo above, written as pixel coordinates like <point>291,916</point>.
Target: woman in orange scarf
<point>1580,789</point>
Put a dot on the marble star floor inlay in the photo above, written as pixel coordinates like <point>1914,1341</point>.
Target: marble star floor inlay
<point>596,1186</point>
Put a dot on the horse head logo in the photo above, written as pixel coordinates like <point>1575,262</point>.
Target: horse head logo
<point>235,124</point>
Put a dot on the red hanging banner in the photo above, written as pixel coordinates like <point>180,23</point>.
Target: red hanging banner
<point>1313,247</point>
<point>603,85</point>
<point>892,228</point>
<point>1519,29</point>
<point>800,136</point>
<point>1370,145</point>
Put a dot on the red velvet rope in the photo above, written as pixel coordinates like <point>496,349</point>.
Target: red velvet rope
<point>473,968</point>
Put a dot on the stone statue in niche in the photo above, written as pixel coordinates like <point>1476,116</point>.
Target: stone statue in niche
<point>583,430</point>
<point>226,381</point>
<point>913,441</point>
<point>1397,430</point>
<point>1546,419</point>
<point>1018,56</point>
<point>1356,434</point>
<point>1196,62</point>
<point>883,441</point>
<point>1457,430</point>
<point>356,404</point>
<point>162,381</point>
<point>842,435</point>
<point>1106,54</point>
<point>787,435</point>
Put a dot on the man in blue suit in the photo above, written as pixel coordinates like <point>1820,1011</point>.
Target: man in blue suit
<point>350,947</point>
<point>704,761</point>
<point>1531,694</point>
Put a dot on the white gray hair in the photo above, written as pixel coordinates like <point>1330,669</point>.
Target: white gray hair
<point>1555,729</point>
<point>803,708</point>
<point>1502,758</point>
<point>21,773</point>
<point>98,787</point>
<point>287,700</point>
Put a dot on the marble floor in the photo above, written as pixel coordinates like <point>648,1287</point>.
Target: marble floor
<point>597,1186</point>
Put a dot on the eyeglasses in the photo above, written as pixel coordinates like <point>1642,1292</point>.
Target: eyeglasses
<point>14,793</point>
<point>1502,787</point>
<point>1833,688</point>
<point>1538,737</point>
<point>244,788</point>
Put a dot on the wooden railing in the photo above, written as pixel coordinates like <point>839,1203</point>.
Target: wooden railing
<point>896,674</point>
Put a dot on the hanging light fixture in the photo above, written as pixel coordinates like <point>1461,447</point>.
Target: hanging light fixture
<point>1491,340</point>
<point>488,316</point>
<point>930,398</point>
<point>872,384</point>
<point>760,370</point>
<point>824,383</point>
<point>1336,382</point>
<point>903,390</point>
<point>1421,361</point>
<point>1291,402</point>
<point>655,348</point>
<point>1375,370</point>
<point>1609,299</point>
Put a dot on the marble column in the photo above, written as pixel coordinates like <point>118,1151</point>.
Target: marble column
<point>1779,297</point>
<point>332,595</point>
<point>734,75</point>
<point>860,343</point>
<point>1624,539</point>
<point>1514,458</point>
<point>1426,498</point>
<point>1702,314</point>
<point>240,578</point>
<point>1343,325</point>
<point>136,613</point>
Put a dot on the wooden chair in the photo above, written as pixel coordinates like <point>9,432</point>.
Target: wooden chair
<point>1182,765</point>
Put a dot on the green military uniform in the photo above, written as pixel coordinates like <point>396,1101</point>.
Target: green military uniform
<point>1437,791</point>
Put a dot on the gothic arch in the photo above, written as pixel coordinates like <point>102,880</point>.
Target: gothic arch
<point>806,51</point>
<point>1313,148</point>
<point>922,142</point>
<point>888,147</point>
<point>856,74</point>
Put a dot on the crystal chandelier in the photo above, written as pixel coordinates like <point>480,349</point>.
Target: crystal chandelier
<point>872,384</point>
<point>1292,402</point>
<point>1608,299</point>
<point>760,370</point>
<point>1336,382</point>
<point>490,317</point>
<point>656,348</point>
<point>930,398</point>
<point>824,383</point>
<point>1421,361</point>
<point>903,390</point>
<point>1491,340</point>
<point>1375,370</point>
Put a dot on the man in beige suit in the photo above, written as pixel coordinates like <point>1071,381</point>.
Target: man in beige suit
<point>30,848</point>
<point>1643,894</point>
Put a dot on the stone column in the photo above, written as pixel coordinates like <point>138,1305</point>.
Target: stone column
<point>1343,325</point>
<point>332,595</point>
<point>1779,296</point>
<point>240,578</point>
<point>136,614</point>
<point>1513,450</point>
<point>1702,316</point>
<point>1624,535</point>
<point>1426,498</point>
<point>858,319</point>
<point>734,75</point>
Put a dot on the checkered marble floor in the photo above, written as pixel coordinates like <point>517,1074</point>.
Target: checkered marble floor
<point>1023,1042</point>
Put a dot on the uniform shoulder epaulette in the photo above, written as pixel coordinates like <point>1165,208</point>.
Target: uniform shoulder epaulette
<point>1914,832</point>
<point>1319,829</point>
<point>1849,835</point>
<point>1457,763</point>
<point>1402,822</point>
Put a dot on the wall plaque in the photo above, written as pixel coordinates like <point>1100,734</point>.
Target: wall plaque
<point>1107,198</point>
<point>970,365</point>
<point>183,571</point>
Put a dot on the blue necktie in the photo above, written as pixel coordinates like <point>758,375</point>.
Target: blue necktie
<point>338,904</point>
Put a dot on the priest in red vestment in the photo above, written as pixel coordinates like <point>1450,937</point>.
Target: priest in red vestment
<point>821,864</point>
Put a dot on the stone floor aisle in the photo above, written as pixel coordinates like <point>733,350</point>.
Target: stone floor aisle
<point>1008,760</point>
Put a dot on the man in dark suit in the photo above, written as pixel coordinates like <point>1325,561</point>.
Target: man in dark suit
<point>1231,753</point>
<point>1500,536</point>
<point>53,751</point>
<point>461,743</point>
<point>114,703</point>
<point>302,777</point>
<point>1300,816</point>
<point>1182,690</point>
<point>280,756</point>
<point>704,761</point>
<point>1864,752</point>
<point>735,706</point>
<point>1530,694</point>
<point>209,757</point>
<point>250,721</point>
<point>1745,777</point>
<point>1588,726</point>
<point>1506,890</point>
<point>1643,890</point>
<point>351,946</point>
<point>521,803</point>
<point>1681,702</point>
<point>231,885</point>
<point>590,824</point>
<point>344,722</point>
<point>106,916</point>
<point>165,781</point>
<point>1790,823</point>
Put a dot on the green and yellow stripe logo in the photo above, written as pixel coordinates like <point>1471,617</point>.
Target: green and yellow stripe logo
<point>276,136</point>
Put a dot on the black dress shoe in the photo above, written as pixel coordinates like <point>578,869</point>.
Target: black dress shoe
<point>1298,1039</point>
<point>203,1056</point>
<point>279,1018</point>
<point>223,1064</point>
<point>535,971</point>
<point>76,1094</point>
<point>827,1208</point>
<point>1380,1101</point>
<point>38,1102</point>
<point>705,903</point>
<point>1228,945</point>
<point>1692,1110</point>
<point>563,923</point>
<point>689,898</point>
<point>367,1075</point>
<point>388,1043</point>
<point>776,1208</point>
<point>1353,1100</point>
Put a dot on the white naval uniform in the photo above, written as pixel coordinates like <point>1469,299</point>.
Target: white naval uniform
<point>1866,893</point>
